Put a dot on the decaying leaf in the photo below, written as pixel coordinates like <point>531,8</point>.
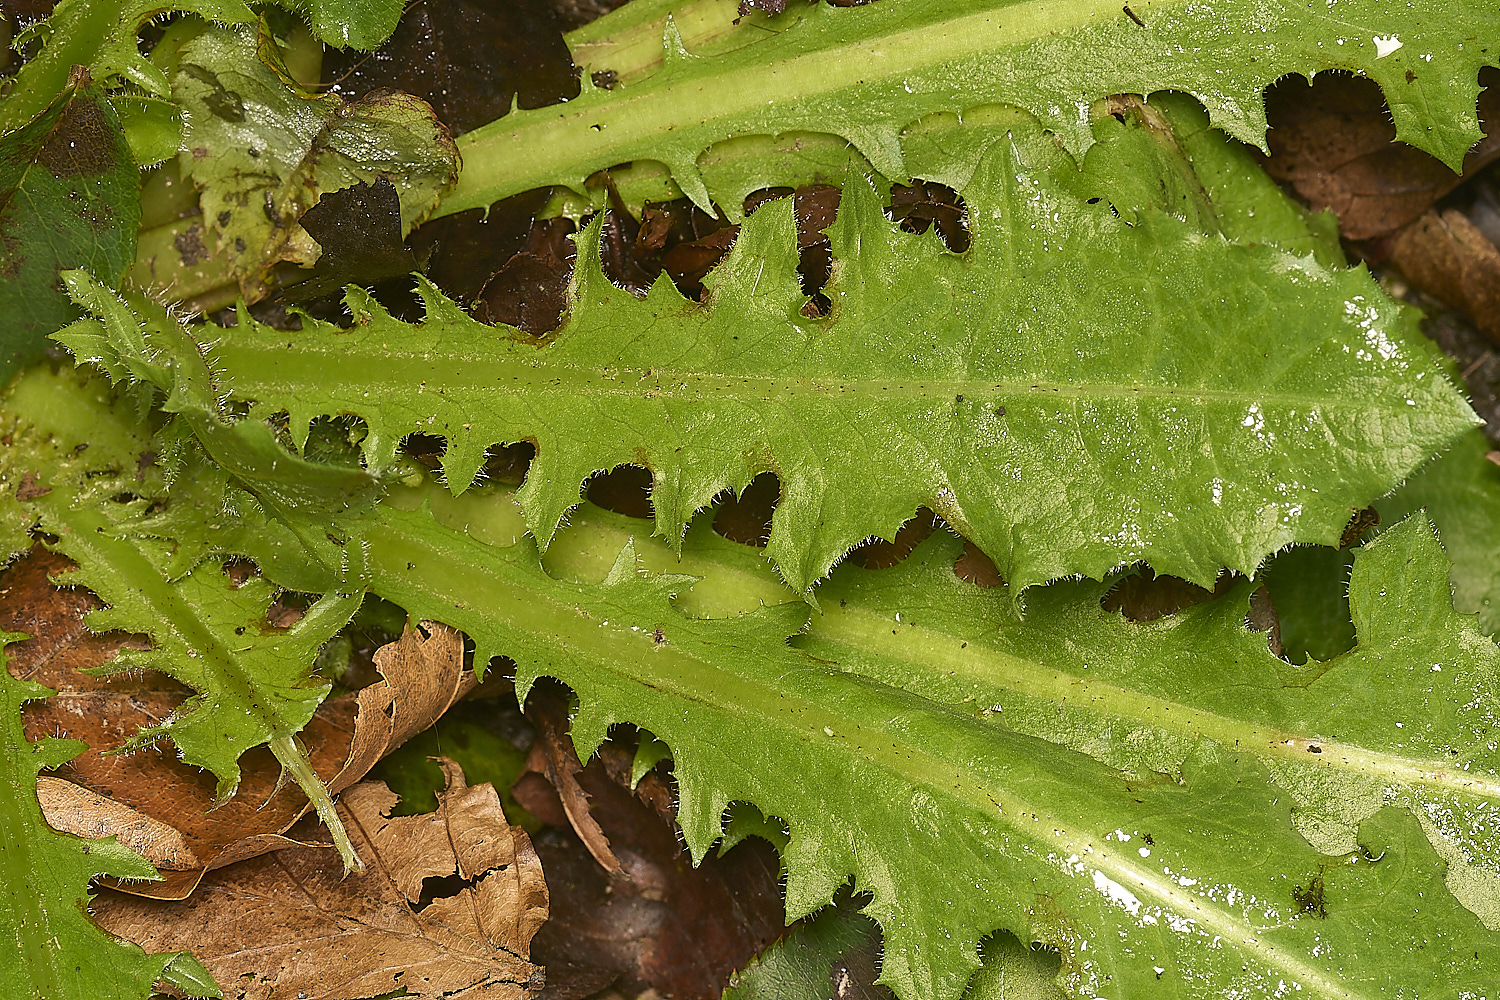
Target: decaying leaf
<point>422,675</point>
<point>1447,256</point>
<point>69,197</point>
<point>553,759</point>
<point>263,153</point>
<point>446,907</point>
<point>1334,142</point>
<point>661,922</point>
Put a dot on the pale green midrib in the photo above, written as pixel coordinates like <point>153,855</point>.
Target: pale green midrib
<point>550,621</point>
<point>558,143</point>
<point>308,379</point>
<point>871,633</point>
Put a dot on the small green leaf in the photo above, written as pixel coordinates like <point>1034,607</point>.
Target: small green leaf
<point>152,126</point>
<point>52,948</point>
<point>350,24</point>
<point>1460,491</point>
<point>252,680</point>
<point>69,197</point>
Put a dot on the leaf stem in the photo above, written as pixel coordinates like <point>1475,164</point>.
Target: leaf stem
<point>294,759</point>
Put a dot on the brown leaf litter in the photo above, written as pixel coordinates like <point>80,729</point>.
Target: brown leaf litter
<point>447,907</point>
<point>144,797</point>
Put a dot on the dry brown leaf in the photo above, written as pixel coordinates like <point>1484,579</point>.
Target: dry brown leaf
<point>1333,141</point>
<point>553,767</point>
<point>446,907</point>
<point>118,793</point>
<point>422,675</point>
<point>1447,257</point>
<point>74,809</point>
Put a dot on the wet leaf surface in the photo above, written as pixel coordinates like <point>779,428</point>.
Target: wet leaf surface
<point>447,907</point>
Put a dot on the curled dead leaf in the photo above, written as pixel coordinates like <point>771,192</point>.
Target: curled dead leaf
<point>554,767</point>
<point>447,907</point>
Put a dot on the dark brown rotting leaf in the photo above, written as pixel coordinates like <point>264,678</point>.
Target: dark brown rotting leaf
<point>689,263</point>
<point>1448,257</point>
<point>625,489</point>
<point>359,229</point>
<point>469,60</point>
<point>881,554</point>
<point>924,204</point>
<point>1145,597</point>
<point>977,568</point>
<point>669,926</point>
<point>747,518</point>
<point>464,251</point>
<point>1333,141</point>
<point>681,239</point>
<point>530,290</point>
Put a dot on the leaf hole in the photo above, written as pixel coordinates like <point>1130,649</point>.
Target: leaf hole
<point>673,237</point>
<point>239,571</point>
<point>977,568</point>
<point>1145,597</point>
<point>815,207</point>
<point>880,553</point>
<point>923,205</point>
<point>747,518</point>
<point>625,489</point>
<point>435,887</point>
<point>426,449</point>
<point>508,463</point>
